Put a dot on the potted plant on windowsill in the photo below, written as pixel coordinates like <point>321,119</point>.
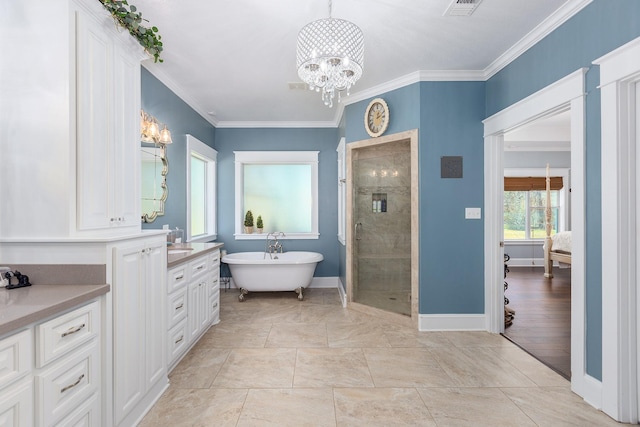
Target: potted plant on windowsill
<point>248,223</point>
<point>259,224</point>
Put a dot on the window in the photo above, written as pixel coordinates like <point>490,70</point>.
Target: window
<point>342,192</point>
<point>201,191</point>
<point>282,188</point>
<point>525,202</point>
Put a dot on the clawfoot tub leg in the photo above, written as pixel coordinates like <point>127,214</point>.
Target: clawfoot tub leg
<point>299,292</point>
<point>243,292</point>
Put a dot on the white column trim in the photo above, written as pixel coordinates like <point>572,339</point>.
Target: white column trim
<point>567,93</point>
<point>619,76</point>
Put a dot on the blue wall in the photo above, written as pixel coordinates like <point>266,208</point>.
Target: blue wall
<point>168,108</point>
<point>599,28</point>
<point>323,140</point>
<point>448,116</point>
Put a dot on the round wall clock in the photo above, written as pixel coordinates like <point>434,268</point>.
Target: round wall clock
<point>376,117</point>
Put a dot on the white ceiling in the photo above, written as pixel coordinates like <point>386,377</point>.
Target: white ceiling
<point>233,60</point>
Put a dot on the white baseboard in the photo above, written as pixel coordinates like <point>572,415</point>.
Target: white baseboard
<point>531,262</point>
<point>452,322</point>
<point>325,282</point>
<point>590,389</point>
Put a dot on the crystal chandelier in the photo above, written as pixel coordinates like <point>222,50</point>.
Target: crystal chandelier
<point>330,56</point>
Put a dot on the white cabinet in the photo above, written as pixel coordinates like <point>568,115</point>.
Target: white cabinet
<point>139,365</point>
<point>108,97</point>
<point>51,371</point>
<point>193,298</point>
<point>78,109</point>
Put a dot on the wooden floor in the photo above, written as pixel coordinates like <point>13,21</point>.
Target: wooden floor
<point>542,323</point>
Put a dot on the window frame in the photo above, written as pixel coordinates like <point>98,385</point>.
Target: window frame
<point>274,158</point>
<point>210,156</point>
<point>564,207</point>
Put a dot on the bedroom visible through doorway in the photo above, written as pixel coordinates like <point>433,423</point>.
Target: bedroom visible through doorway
<point>538,313</point>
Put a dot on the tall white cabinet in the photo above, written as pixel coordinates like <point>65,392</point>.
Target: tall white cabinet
<point>139,363</point>
<point>107,116</point>
<point>70,179</point>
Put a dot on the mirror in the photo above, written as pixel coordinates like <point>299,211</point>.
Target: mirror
<point>154,190</point>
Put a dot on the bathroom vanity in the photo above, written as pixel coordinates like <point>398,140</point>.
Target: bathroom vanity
<point>50,354</point>
<point>193,295</point>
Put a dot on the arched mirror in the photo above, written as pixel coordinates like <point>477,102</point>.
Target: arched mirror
<point>154,171</point>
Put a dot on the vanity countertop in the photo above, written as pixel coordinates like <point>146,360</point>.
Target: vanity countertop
<point>183,252</point>
<point>23,306</point>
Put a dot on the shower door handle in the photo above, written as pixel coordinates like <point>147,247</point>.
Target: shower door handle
<point>357,227</point>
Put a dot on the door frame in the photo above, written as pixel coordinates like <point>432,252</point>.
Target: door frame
<point>412,137</point>
<point>567,93</point>
<point>620,115</point>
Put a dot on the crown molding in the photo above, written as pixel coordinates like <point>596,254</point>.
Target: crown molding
<point>268,124</point>
<point>559,17</point>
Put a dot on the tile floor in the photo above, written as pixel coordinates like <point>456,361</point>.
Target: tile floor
<point>277,361</point>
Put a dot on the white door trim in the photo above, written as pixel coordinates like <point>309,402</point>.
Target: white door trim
<point>567,93</point>
<point>619,79</point>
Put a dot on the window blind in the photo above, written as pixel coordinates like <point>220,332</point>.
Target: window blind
<point>531,183</point>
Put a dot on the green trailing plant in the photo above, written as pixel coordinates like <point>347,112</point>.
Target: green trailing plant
<point>259,223</point>
<point>129,18</point>
<point>248,219</point>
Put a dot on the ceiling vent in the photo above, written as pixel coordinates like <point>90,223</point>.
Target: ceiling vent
<point>462,7</point>
<point>297,86</point>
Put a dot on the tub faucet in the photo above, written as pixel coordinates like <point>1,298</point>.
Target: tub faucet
<point>272,245</point>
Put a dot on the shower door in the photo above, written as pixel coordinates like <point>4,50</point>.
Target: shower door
<point>381,219</point>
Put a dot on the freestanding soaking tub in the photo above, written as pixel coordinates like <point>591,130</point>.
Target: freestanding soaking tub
<point>258,272</point>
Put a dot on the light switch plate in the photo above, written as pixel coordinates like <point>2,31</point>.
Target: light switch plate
<point>472,213</point>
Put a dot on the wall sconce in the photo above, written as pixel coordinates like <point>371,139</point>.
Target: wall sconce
<point>150,130</point>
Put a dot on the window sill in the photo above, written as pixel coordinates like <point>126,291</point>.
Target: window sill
<point>527,242</point>
<point>287,236</point>
<point>203,239</point>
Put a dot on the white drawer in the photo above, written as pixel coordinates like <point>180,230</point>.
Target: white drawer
<point>177,307</point>
<point>66,332</point>
<point>214,259</point>
<point>177,342</point>
<point>15,358</point>
<point>85,415</point>
<point>67,383</point>
<point>16,405</point>
<point>198,267</point>
<point>177,277</point>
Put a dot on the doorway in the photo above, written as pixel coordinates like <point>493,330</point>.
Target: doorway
<point>539,307</point>
<point>382,225</point>
<point>566,94</point>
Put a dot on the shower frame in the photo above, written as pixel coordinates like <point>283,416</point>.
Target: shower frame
<point>412,137</point>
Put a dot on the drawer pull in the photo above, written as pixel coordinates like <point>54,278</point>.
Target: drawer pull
<point>70,386</point>
<point>200,268</point>
<point>178,307</point>
<point>73,330</point>
<point>179,339</point>
<point>215,305</point>
<point>180,277</point>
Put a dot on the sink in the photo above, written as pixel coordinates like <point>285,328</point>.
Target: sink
<point>178,251</point>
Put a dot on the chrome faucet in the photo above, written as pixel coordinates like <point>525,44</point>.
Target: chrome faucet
<point>272,245</point>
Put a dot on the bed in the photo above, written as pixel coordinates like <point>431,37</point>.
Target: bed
<point>558,246</point>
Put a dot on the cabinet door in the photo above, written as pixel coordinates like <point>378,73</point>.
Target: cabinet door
<point>197,307</point>
<point>126,150</point>
<point>129,309</point>
<point>94,148</point>
<point>16,405</point>
<point>155,336</point>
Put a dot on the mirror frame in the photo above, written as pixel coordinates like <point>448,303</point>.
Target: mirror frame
<point>150,217</point>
